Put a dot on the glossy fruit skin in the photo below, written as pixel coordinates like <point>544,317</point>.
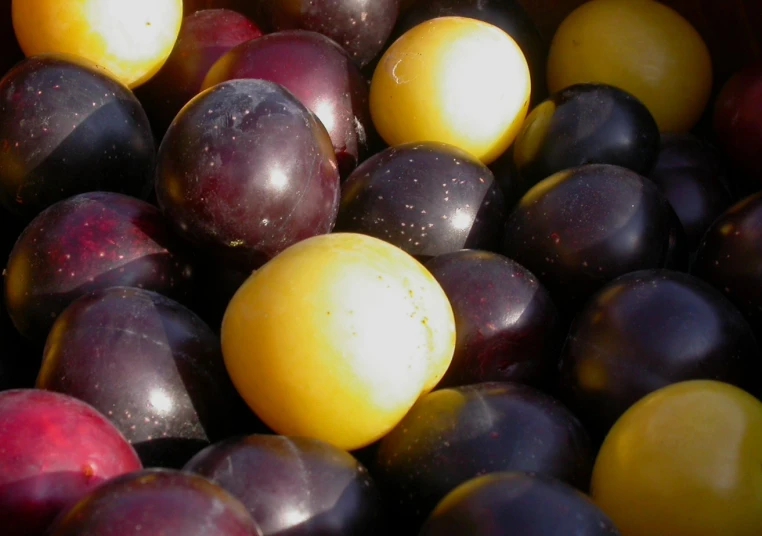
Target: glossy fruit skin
<point>737,123</point>
<point>425,198</point>
<point>157,501</point>
<point>87,242</point>
<point>204,37</point>
<point>730,257</point>
<point>55,450</point>
<point>452,80</point>
<point>670,70</point>
<point>131,40</point>
<point>320,74</point>
<point>361,27</point>
<point>649,329</point>
<point>358,320</point>
<point>508,15</point>
<point>580,228</point>
<point>294,486</point>
<point>158,370</point>
<point>246,170</point>
<point>506,324</point>
<point>505,504</point>
<point>684,461</point>
<point>455,434</point>
<point>586,124</point>
<point>68,128</point>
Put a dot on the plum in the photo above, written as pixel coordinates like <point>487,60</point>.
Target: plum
<point>157,502</point>
<point>245,171</point>
<point>730,257</point>
<point>427,198</point>
<point>582,227</point>
<point>507,326</point>
<point>361,27</point>
<point>90,241</point>
<point>55,449</point>
<point>689,172</point>
<point>294,486</point>
<point>320,74</point>
<point>68,127</point>
<point>204,37</point>
<point>151,366</point>
<point>648,329</point>
<point>452,435</point>
<point>586,124</point>
<point>508,15</point>
<point>510,503</point>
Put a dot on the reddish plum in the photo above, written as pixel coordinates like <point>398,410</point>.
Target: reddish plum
<point>245,171</point>
<point>646,330</point>
<point>730,257</point>
<point>455,434</point>
<point>55,449</point>
<point>204,37</point>
<point>68,127</point>
<point>361,27</point>
<point>426,198</point>
<point>295,486</point>
<point>157,502</point>
<point>151,366</point>
<point>320,74</point>
<point>87,242</point>
<point>506,324</point>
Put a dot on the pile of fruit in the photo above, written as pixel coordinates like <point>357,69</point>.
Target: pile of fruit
<point>363,267</point>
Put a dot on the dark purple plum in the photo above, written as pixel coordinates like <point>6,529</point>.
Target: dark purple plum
<point>204,37</point>
<point>295,486</point>
<point>506,324</point>
<point>155,502</point>
<point>508,15</point>
<point>55,449</point>
<point>361,27</point>
<point>245,171</point>
<point>730,257</point>
<point>586,124</point>
<point>580,228</point>
<point>455,434</point>
<point>151,366</point>
<point>688,171</point>
<point>320,74</point>
<point>509,503</point>
<point>427,198</point>
<point>90,241</point>
<point>649,329</point>
<point>67,127</point>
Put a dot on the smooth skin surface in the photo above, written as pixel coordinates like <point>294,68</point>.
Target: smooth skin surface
<point>684,461</point>
<point>336,338</point>
<point>641,46</point>
<point>131,39</point>
<point>454,80</point>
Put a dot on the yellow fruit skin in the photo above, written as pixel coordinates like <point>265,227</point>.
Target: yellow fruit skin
<point>336,338</point>
<point>684,461</point>
<point>641,46</point>
<point>131,39</point>
<point>453,80</point>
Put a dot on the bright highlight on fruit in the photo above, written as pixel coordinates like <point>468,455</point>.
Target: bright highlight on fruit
<point>336,337</point>
<point>454,80</point>
<point>641,46</point>
<point>130,38</point>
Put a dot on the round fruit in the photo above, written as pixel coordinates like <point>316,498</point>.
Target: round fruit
<point>454,80</point>
<point>131,39</point>
<point>336,338</point>
<point>684,461</point>
<point>641,46</point>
